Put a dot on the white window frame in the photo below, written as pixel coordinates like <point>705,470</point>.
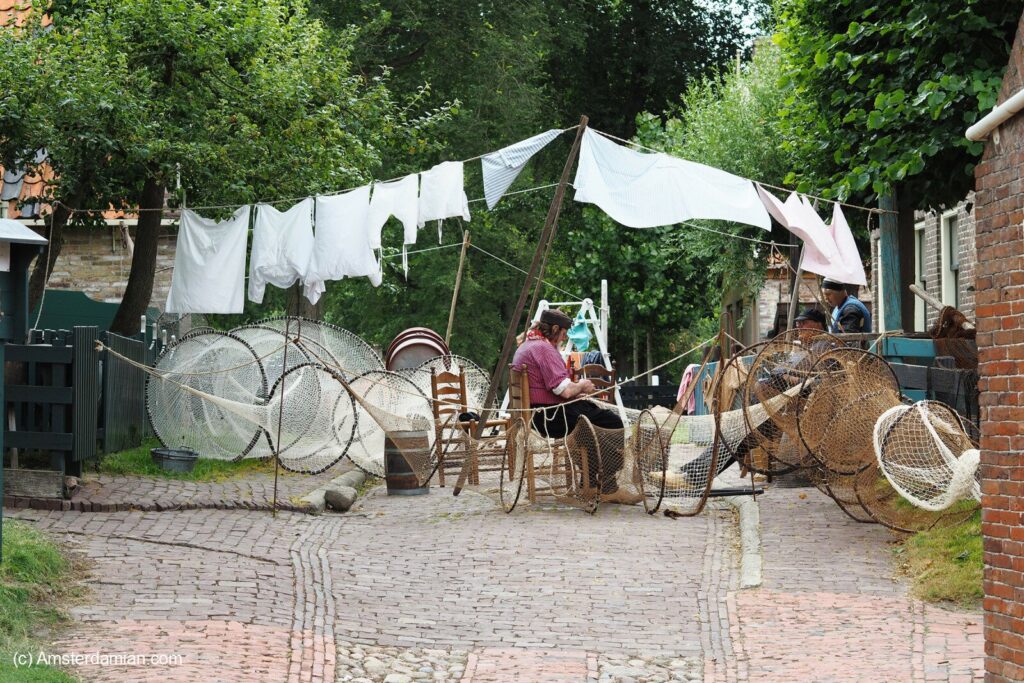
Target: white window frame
<point>949,294</point>
<point>920,242</point>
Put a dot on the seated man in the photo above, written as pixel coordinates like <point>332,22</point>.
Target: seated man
<point>848,313</point>
<point>811,320</point>
<point>551,390</point>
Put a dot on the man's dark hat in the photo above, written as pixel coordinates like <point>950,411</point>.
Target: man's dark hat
<point>812,314</point>
<point>832,284</point>
<point>553,316</point>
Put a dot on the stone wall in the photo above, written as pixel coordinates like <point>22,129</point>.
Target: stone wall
<point>96,261</point>
<point>999,300</point>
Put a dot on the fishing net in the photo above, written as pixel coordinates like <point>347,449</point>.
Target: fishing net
<point>846,391</point>
<point>565,471</point>
<point>329,345</point>
<point>780,367</point>
<point>310,419</point>
<point>887,507</point>
<point>210,364</point>
<point>512,475</point>
<point>926,455</point>
<point>842,488</point>
<point>390,402</point>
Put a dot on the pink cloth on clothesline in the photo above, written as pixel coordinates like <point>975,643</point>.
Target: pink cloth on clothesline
<point>684,384</point>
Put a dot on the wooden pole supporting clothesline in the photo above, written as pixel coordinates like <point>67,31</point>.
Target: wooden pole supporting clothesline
<point>543,245</point>
<point>458,284</point>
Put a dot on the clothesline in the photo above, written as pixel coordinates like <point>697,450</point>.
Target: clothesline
<point>297,199</point>
<point>871,209</point>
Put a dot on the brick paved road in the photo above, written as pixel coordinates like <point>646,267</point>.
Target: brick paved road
<point>443,589</point>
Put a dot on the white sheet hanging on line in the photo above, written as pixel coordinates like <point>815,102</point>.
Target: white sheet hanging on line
<point>341,246</point>
<point>846,266</point>
<point>642,190</point>
<point>442,194</point>
<point>501,168</point>
<point>209,264</point>
<point>282,245</point>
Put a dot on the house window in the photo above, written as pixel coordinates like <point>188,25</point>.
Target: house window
<point>920,270</point>
<point>950,259</point>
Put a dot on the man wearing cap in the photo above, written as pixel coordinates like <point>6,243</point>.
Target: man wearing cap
<point>552,392</point>
<point>848,313</point>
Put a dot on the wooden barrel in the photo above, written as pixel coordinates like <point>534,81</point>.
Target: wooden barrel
<point>424,332</point>
<point>399,476</point>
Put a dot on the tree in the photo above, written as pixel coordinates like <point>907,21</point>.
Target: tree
<point>243,100</point>
<point>882,93</point>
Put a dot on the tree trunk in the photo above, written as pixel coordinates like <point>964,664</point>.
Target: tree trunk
<point>140,280</point>
<point>299,305</point>
<point>44,265</point>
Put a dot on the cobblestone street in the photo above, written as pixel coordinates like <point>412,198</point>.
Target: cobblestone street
<point>438,588</point>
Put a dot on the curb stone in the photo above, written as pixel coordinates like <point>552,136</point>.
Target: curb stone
<point>316,499</point>
<point>750,539</point>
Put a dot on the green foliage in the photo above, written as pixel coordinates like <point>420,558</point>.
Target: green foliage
<point>945,564</point>
<point>882,93</point>
<point>34,578</point>
<point>139,462</point>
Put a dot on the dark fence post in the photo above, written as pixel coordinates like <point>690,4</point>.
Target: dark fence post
<point>84,400</point>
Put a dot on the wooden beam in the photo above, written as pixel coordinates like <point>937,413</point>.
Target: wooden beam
<point>889,257</point>
<point>458,284</point>
<point>543,244</point>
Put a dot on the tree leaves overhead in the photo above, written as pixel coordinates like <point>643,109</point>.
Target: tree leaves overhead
<point>883,92</point>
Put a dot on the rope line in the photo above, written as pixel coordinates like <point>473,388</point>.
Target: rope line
<point>100,346</point>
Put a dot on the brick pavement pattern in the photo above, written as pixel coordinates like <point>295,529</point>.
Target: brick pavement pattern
<point>436,588</point>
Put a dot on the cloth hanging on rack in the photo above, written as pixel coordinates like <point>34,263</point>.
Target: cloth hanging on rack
<point>282,245</point>
<point>209,264</point>
<point>642,190</point>
<point>501,168</point>
<point>846,265</point>
<point>442,194</point>
<point>341,246</point>
<point>13,181</point>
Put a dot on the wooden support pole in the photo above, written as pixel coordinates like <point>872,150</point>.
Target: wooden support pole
<point>458,284</point>
<point>889,253</point>
<point>546,236</point>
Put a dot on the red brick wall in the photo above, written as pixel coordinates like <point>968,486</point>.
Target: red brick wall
<point>999,300</point>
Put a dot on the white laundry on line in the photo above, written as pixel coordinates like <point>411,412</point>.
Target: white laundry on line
<point>501,168</point>
<point>282,245</point>
<point>341,246</point>
<point>642,190</point>
<point>209,264</point>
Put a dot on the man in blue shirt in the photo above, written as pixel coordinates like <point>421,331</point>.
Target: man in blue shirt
<point>848,313</point>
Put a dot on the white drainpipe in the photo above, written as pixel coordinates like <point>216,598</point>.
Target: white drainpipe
<point>980,130</point>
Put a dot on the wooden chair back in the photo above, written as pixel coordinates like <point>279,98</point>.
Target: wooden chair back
<point>603,379</point>
<point>519,390</point>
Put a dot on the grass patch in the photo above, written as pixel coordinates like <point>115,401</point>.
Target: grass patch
<point>137,461</point>
<point>36,581</point>
<point>945,564</point>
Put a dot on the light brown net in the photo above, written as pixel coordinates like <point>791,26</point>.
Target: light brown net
<point>889,508</point>
<point>846,392</point>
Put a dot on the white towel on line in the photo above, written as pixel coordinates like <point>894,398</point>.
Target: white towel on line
<point>209,264</point>
<point>399,199</point>
<point>282,245</point>
<point>642,190</point>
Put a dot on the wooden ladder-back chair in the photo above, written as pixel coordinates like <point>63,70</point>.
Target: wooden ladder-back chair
<point>603,379</point>
<point>453,442</point>
<point>547,459</point>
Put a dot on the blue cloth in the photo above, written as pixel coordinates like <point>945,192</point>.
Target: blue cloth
<point>579,334</point>
<point>851,316</point>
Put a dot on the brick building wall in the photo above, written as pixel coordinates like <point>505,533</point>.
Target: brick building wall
<point>97,262</point>
<point>999,212</point>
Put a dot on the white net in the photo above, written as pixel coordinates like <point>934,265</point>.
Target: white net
<point>925,453</point>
